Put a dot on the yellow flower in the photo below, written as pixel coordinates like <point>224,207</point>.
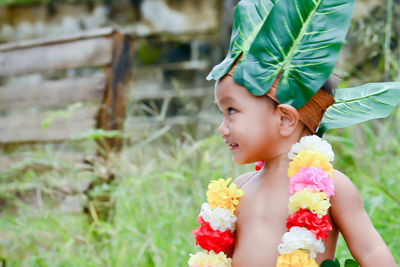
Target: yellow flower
<point>317,202</point>
<point>211,259</point>
<point>297,258</point>
<point>221,195</point>
<point>310,158</point>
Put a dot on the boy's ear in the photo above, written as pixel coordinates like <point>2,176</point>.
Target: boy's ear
<point>289,119</point>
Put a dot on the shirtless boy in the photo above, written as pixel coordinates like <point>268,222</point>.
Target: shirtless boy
<point>273,88</point>
<point>255,129</point>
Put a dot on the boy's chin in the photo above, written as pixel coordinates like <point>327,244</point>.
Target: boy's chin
<point>241,161</point>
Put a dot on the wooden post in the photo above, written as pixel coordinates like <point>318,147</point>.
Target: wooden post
<point>113,108</point>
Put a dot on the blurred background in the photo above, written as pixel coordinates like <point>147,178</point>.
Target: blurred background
<point>108,127</point>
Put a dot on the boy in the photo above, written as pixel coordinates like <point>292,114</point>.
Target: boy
<point>255,128</point>
<point>281,53</point>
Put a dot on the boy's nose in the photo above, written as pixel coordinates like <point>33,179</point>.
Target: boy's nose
<point>223,129</point>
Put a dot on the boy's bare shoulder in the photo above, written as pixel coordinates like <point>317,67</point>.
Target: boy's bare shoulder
<point>339,177</point>
<point>346,195</point>
<point>343,184</point>
<point>240,180</point>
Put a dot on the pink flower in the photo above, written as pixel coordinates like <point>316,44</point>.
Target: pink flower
<point>312,178</point>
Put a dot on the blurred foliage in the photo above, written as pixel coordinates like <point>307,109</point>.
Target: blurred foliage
<point>148,53</point>
<point>373,42</point>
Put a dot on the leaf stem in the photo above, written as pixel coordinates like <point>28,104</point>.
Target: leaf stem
<point>388,35</point>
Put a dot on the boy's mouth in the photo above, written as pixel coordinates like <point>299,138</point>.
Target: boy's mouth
<point>233,146</point>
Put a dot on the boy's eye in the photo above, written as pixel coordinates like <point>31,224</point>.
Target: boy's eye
<point>231,111</point>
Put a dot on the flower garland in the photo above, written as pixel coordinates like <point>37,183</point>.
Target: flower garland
<point>310,187</point>
<point>217,225</point>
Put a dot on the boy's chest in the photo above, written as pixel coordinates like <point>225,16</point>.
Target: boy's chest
<point>263,205</point>
<point>263,208</point>
<point>261,222</point>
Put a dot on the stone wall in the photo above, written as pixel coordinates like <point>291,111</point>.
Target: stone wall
<point>139,18</point>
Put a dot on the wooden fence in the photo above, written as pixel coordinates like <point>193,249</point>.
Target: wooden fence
<point>60,108</point>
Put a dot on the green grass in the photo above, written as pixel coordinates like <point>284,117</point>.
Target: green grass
<point>157,193</point>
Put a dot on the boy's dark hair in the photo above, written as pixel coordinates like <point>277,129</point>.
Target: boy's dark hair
<point>331,84</point>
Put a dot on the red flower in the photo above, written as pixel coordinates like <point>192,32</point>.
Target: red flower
<point>305,218</point>
<point>259,165</point>
<point>210,239</point>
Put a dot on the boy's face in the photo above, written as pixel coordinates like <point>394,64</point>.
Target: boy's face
<point>250,126</point>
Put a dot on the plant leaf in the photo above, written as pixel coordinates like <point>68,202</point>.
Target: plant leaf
<point>249,17</point>
<point>329,263</point>
<point>359,104</point>
<point>351,263</point>
<point>301,39</point>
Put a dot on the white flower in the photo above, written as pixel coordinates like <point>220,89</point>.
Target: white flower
<point>301,238</point>
<point>219,218</point>
<point>312,142</point>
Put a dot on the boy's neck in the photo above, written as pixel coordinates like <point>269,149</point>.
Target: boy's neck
<point>277,166</point>
<point>279,162</point>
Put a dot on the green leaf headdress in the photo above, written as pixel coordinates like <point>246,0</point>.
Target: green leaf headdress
<point>295,43</point>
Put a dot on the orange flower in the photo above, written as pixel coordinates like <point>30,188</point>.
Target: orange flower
<point>298,258</point>
<point>221,195</point>
<point>308,159</point>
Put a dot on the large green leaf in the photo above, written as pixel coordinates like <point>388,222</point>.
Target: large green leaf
<point>351,263</point>
<point>301,39</point>
<point>329,263</point>
<point>249,17</point>
<point>359,104</point>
